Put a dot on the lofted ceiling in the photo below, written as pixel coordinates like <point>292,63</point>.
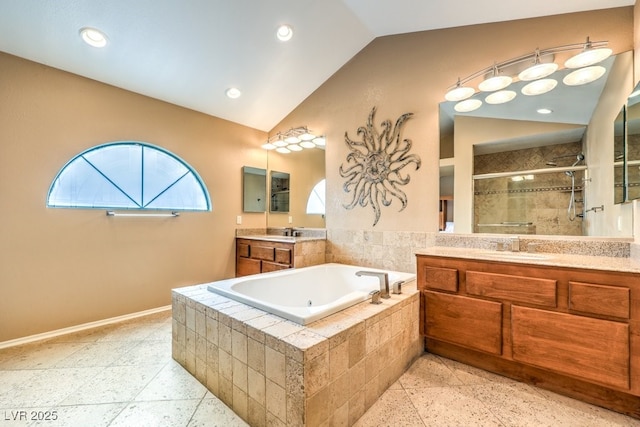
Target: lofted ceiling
<point>189,52</point>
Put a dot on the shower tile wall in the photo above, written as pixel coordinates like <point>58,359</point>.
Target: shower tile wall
<point>542,202</point>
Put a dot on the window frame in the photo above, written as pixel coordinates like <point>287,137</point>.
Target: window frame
<point>142,145</point>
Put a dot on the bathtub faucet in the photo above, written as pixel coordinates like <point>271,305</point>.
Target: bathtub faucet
<point>384,281</point>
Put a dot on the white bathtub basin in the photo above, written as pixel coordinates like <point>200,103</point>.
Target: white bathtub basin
<point>304,295</point>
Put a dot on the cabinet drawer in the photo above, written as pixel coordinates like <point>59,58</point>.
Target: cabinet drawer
<point>243,250</point>
<point>266,253</point>
<point>565,343</point>
<point>246,266</point>
<point>272,266</point>
<point>528,290</point>
<point>283,256</point>
<point>468,322</point>
<point>599,299</point>
<point>444,279</point>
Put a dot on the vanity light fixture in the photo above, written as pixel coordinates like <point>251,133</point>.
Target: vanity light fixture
<point>233,93</point>
<point>295,139</point>
<point>495,82</point>
<point>590,55</point>
<point>93,37</point>
<point>544,111</point>
<point>538,70</point>
<point>320,141</point>
<point>284,32</point>
<point>459,92</point>
<point>500,75</point>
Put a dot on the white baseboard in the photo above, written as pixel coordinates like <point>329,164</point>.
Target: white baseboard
<point>84,326</point>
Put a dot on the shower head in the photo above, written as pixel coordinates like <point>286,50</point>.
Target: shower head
<point>579,158</point>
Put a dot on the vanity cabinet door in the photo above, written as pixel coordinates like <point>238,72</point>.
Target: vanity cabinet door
<point>246,266</point>
<point>273,266</point>
<point>469,322</point>
<point>591,349</point>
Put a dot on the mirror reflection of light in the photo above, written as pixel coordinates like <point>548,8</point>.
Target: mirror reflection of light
<point>539,87</point>
<point>584,75</point>
<point>467,105</point>
<point>500,97</point>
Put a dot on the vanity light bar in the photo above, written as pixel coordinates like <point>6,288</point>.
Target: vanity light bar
<point>295,139</point>
<point>146,215</point>
<point>592,53</point>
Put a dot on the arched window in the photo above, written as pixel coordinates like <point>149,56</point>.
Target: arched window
<point>128,175</point>
<point>315,203</point>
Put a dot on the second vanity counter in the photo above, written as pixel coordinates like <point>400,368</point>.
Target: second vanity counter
<point>619,264</point>
<point>260,253</point>
<point>569,323</point>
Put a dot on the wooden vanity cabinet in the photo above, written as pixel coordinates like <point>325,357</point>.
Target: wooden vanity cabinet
<point>573,331</point>
<point>261,256</point>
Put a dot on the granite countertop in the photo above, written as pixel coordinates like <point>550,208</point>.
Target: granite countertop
<point>620,264</point>
<point>282,239</point>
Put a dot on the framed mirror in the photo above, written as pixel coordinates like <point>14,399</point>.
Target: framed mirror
<point>254,189</point>
<point>279,192</point>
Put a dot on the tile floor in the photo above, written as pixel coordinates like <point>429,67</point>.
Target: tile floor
<point>123,375</point>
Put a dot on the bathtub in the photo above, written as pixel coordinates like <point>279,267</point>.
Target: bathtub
<point>304,295</point>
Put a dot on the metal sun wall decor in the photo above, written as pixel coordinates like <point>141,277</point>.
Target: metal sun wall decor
<point>374,165</point>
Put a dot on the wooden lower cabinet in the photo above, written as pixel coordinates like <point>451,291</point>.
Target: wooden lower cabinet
<point>573,331</point>
<point>261,256</point>
<point>470,322</point>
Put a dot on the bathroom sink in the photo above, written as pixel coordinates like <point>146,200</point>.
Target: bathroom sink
<point>517,256</point>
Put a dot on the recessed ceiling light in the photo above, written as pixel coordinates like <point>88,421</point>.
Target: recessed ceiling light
<point>93,37</point>
<point>284,32</point>
<point>544,111</point>
<point>233,92</point>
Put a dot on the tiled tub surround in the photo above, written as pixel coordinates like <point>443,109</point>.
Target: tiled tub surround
<point>271,371</point>
<point>395,250</point>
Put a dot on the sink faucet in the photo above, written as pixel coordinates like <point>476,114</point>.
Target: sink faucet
<point>384,281</point>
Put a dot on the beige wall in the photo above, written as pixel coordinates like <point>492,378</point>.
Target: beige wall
<point>411,73</point>
<point>64,267</point>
